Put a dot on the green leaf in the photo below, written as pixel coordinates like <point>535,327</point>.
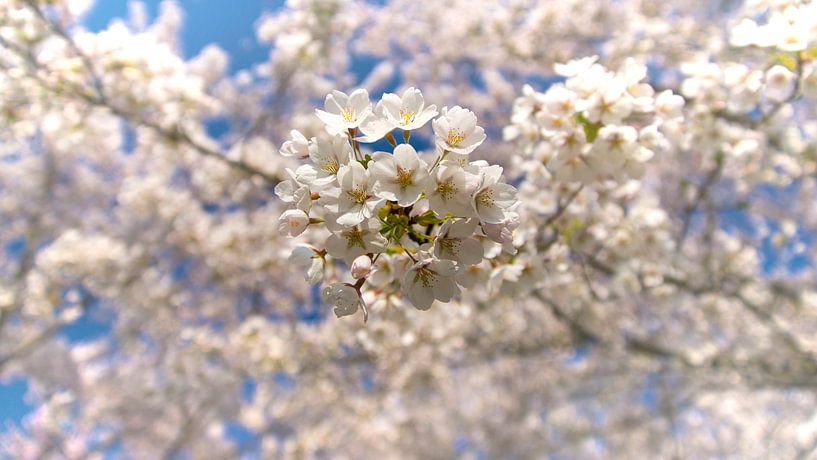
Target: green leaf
<point>809,54</point>
<point>394,226</point>
<point>428,218</point>
<point>787,60</point>
<point>575,225</point>
<point>591,129</point>
<point>365,161</point>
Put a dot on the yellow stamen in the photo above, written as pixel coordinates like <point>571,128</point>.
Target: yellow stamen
<point>330,166</point>
<point>407,116</point>
<point>354,237</point>
<point>446,189</point>
<point>455,137</point>
<point>358,195</point>
<point>425,276</point>
<point>450,245</point>
<point>404,177</point>
<point>348,115</point>
<point>486,198</point>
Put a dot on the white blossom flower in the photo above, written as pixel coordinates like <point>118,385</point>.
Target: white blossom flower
<point>293,222</point>
<point>297,147</point>
<point>349,243</point>
<point>344,112</point>
<point>529,103</point>
<point>779,83</point>
<point>744,85</point>
<point>559,106</point>
<point>455,242</point>
<point>788,32</point>
<point>744,33</point>
<point>430,279</point>
<point>300,197</point>
<point>327,156</point>
<point>611,105</point>
<point>668,105</point>
<point>633,166</point>
<point>456,130</point>
<point>571,166</point>
<point>357,200</point>
<point>449,191</point>
<point>502,233</point>
<point>561,102</point>
<point>492,197</point>
<point>375,126</point>
<point>614,145</point>
<point>400,177</point>
<point>343,297</point>
<point>306,258</point>
<point>504,278</point>
<point>407,112</point>
<point>388,268</point>
<point>575,67</point>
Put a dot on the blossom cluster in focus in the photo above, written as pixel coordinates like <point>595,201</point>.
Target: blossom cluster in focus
<point>404,221</point>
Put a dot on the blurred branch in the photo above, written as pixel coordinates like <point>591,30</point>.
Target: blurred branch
<point>32,238</point>
<point>99,98</point>
<point>561,207</point>
<point>702,191</point>
<point>802,376</point>
<point>754,123</point>
<point>29,346</point>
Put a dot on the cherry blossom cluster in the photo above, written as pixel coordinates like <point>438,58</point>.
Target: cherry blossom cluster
<point>598,124</point>
<point>401,216</point>
<point>785,26</point>
<point>787,33</point>
<point>122,205</point>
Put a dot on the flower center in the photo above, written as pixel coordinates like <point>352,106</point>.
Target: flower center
<point>348,115</point>
<point>404,177</point>
<point>455,137</point>
<point>330,166</point>
<point>358,195</point>
<point>485,198</point>
<point>567,105</point>
<point>446,189</point>
<point>450,245</point>
<point>425,276</point>
<point>407,116</point>
<point>354,237</point>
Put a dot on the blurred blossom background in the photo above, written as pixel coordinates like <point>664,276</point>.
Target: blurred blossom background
<point>650,293</point>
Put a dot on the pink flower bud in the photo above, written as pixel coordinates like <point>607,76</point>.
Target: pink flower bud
<point>361,267</point>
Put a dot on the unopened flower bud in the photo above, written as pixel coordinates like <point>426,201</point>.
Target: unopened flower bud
<point>361,267</point>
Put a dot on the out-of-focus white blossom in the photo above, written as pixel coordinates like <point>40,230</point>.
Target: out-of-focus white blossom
<point>591,124</point>
<point>779,83</point>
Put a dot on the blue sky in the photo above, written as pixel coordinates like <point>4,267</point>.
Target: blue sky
<point>229,24</point>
